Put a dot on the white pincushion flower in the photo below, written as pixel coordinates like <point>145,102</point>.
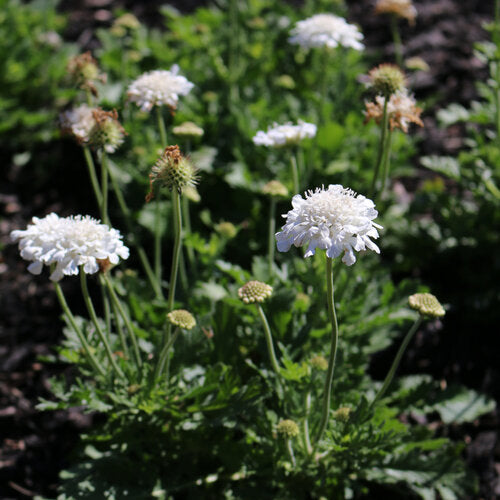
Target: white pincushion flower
<point>279,136</point>
<point>78,122</point>
<point>326,30</point>
<point>159,87</point>
<point>334,219</point>
<point>69,242</point>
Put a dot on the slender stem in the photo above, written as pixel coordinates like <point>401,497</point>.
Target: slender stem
<point>323,108</point>
<point>385,127</point>
<point>176,205</point>
<point>386,160</point>
<point>119,328</point>
<point>289,448</point>
<point>398,45</point>
<point>125,317</point>
<point>397,360</point>
<point>305,423</point>
<point>158,234</point>
<point>92,174</point>
<point>295,173</point>
<point>142,254</point>
<point>104,187</point>
<point>187,226</point>
<point>272,231</point>
<point>93,317</point>
<point>161,127</point>
<point>69,315</point>
<point>333,352</point>
<point>269,340</point>
<point>164,354</point>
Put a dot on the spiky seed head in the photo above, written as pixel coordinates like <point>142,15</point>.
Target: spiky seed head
<point>255,291</point>
<point>172,170</point>
<point>275,189</point>
<point>107,132</point>
<point>84,72</point>
<point>319,362</point>
<point>426,304</point>
<point>287,428</point>
<point>182,318</point>
<point>188,129</point>
<point>387,79</point>
<point>342,414</point>
<point>226,229</point>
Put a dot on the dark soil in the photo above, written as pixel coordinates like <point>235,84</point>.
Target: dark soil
<point>35,445</point>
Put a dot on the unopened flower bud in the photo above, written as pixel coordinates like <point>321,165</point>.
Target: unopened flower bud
<point>107,132</point>
<point>192,194</point>
<point>226,230</point>
<point>287,428</point>
<point>342,414</point>
<point>426,304</point>
<point>319,362</point>
<point>84,72</point>
<point>255,291</point>
<point>182,318</point>
<point>275,189</point>
<point>387,79</point>
<point>188,129</point>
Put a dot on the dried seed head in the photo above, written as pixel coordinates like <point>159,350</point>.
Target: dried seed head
<point>342,414</point>
<point>188,129</point>
<point>226,229</point>
<point>172,170</point>
<point>287,428</point>
<point>387,79</point>
<point>319,362</point>
<point>182,318</point>
<point>426,305</point>
<point>84,72</point>
<point>275,189</point>
<point>255,291</point>
<point>107,132</point>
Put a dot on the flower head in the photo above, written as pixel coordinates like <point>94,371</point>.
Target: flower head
<point>279,136</point>
<point>387,79</point>
<point>188,129</point>
<point>84,72</point>
<point>69,242</point>
<point>319,362</point>
<point>342,414</point>
<point>126,22</point>
<point>401,108</point>
<point>107,132</point>
<point>400,8</point>
<point>255,291</point>
<point>78,122</point>
<point>182,318</point>
<point>172,170</point>
<point>326,30</point>
<point>226,229</point>
<point>426,304</point>
<point>159,87</point>
<point>275,189</point>
<point>334,219</point>
<point>287,428</point>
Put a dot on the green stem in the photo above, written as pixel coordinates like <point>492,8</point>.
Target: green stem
<point>104,187</point>
<point>161,127</point>
<point>272,231</point>
<point>126,320</point>
<point>333,352</point>
<point>386,160</point>
<point>323,111</point>
<point>92,174</point>
<point>398,45</point>
<point>269,340</point>
<point>162,360</point>
<point>385,127</point>
<point>119,328</point>
<point>69,315</point>
<point>176,205</point>
<point>93,317</point>
<point>289,449</point>
<point>305,423</point>
<point>397,360</point>
<point>158,235</point>
<point>187,226</point>
<point>295,173</point>
<point>142,254</point>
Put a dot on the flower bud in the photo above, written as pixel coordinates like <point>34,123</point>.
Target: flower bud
<point>107,132</point>
<point>275,189</point>
<point>426,304</point>
<point>182,318</point>
<point>188,129</point>
<point>319,362</point>
<point>342,414</point>
<point>226,230</point>
<point>387,79</point>
<point>192,194</point>
<point>84,72</point>
<point>287,428</point>
<point>255,291</point>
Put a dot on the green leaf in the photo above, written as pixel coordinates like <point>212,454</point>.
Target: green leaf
<point>446,165</point>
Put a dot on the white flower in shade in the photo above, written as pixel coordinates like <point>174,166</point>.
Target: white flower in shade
<point>159,87</point>
<point>279,136</point>
<point>326,30</point>
<point>69,242</point>
<point>78,122</point>
<point>334,219</point>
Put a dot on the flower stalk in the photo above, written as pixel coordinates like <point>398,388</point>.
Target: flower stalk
<point>93,175</point>
<point>272,232</point>
<point>382,147</point>
<point>295,172</point>
<point>396,37</point>
<point>269,340</point>
<point>104,187</point>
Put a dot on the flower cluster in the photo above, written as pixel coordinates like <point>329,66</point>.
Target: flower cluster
<point>326,30</point>
<point>78,122</point>
<point>182,318</point>
<point>159,87</point>
<point>387,79</point>
<point>287,428</point>
<point>255,291</point>
<point>84,72</point>
<point>401,109</point>
<point>426,304</point>
<point>334,219</point>
<point>188,129</point>
<point>107,132</point>
<point>275,189</point>
<point>279,136</point>
<point>68,243</point>
<point>400,8</point>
